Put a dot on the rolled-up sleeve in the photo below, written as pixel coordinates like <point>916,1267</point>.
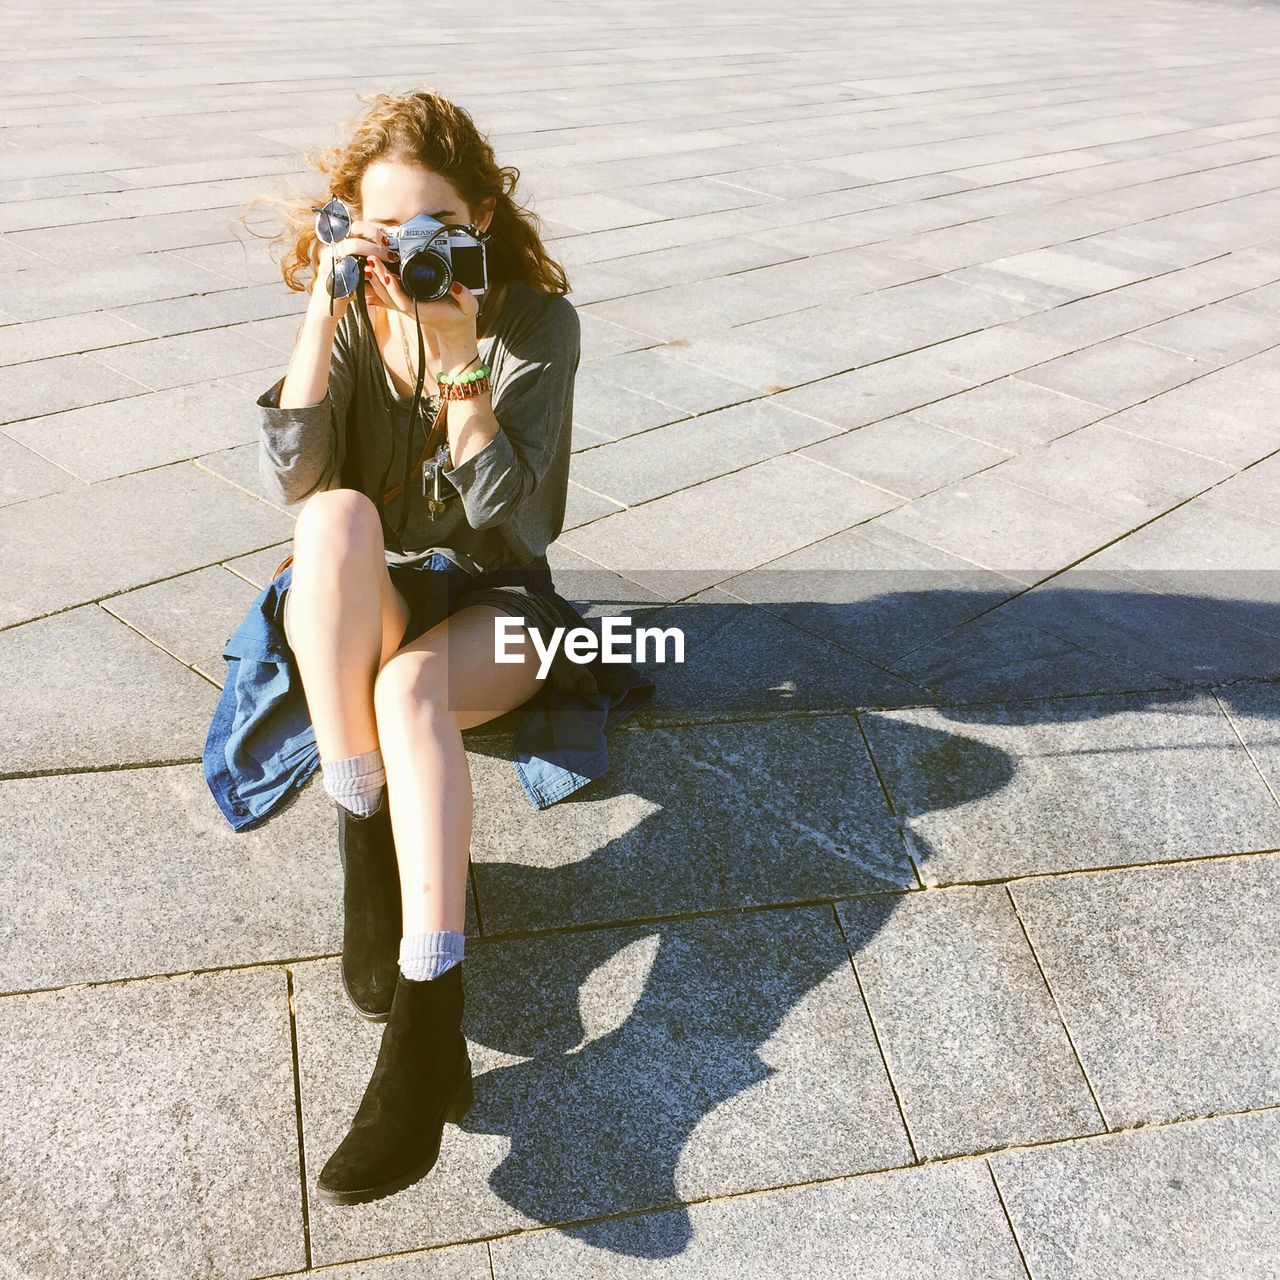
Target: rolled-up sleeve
<point>532,403</point>
<point>300,449</point>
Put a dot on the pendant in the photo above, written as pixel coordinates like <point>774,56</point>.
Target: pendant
<point>431,472</point>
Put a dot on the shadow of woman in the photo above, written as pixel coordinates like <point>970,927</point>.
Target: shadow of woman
<point>631,1035</point>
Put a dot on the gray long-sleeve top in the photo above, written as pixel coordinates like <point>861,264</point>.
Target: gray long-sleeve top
<point>510,496</point>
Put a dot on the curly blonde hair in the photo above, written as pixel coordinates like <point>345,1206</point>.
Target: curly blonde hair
<point>424,128</point>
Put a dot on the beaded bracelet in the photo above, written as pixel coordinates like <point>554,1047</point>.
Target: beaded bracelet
<point>464,386</point>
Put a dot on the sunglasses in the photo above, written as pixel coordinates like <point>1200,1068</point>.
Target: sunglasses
<point>333,224</point>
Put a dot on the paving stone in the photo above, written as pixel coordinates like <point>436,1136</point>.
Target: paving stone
<point>681,310</point>
<point>1118,372</point>
<point>760,361</point>
<point>162,522</point>
<point>1005,283</point>
<point>192,357</point>
<point>1197,285</point>
<point>190,616</point>
<point>734,522</point>
<point>146,708</point>
<point>169,316</point>
<point>600,339</point>
<point>1219,416</point>
<point>239,466</point>
<point>1220,332</point>
<point>92,854</point>
<point>1213,558</point>
<point>976,308</point>
<point>834,274</point>
<point>1181,1203</point>
<point>1165,977</point>
<point>722,1052</point>
<point>741,660</point>
<point>143,431</point>
<point>65,336</point>
<point>846,333</point>
<point>600,592</point>
<point>24,474</point>
<point>258,566</point>
<point>1020,240</point>
<point>1012,414</point>
<point>256,381</point>
<point>1093,319</point>
<point>942,1221</point>
<point>765,812</point>
<point>127,236</point>
<point>669,458</point>
<point>1261,371</point>
<point>151,1130</point>
<point>1163,628</point>
<point>602,405</point>
<point>1149,777</point>
<point>453,1262</point>
<point>905,455</point>
<point>872,591</point>
<point>655,372</point>
<point>976,1050</point>
<point>38,387</point>
<point>1003,527</point>
<point>882,390</point>
<point>582,507</point>
<point>993,353</point>
<point>1117,475</point>
<point>705,260</point>
<point>105,282</point>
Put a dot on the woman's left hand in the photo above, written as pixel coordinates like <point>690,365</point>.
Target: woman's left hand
<point>451,318</point>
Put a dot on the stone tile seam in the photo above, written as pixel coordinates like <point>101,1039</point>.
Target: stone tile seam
<point>1057,1008</point>
<point>887,1172</point>
<point>305,1199</point>
<point>1008,1217</point>
<point>905,500</point>
<point>875,1036</point>
<point>571,930</point>
<point>967,222</point>
<point>1235,729</point>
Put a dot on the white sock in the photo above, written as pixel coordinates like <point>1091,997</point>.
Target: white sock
<point>356,782</point>
<point>428,955</point>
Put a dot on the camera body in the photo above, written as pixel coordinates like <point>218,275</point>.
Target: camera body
<point>433,254</point>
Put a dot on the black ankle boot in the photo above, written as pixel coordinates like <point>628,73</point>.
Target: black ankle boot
<point>422,1078</point>
<point>370,909</point>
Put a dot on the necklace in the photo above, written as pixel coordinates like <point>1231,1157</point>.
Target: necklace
<point>431,466</point>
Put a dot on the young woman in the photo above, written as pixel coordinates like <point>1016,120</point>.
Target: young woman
<point>393,594</point>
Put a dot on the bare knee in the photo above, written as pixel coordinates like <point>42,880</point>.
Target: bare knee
<point>411,684</point>
<point>337,522</point>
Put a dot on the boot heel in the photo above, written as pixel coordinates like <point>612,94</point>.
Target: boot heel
<point>461,1102</point>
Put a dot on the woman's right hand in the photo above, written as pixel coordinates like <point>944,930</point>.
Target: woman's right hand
<point>365,239</point>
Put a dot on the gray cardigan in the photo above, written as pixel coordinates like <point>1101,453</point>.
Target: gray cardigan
<point>505,504</point>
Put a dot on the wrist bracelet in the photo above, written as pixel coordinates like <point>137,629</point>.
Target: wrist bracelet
<point>452,379</point>
<point>464,386</point>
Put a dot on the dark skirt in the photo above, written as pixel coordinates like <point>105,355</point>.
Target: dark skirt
<point>438,587</point>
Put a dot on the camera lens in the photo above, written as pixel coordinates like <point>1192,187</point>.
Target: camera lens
<point>425,276</point>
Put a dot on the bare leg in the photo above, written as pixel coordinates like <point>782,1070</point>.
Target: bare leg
<point>444,681</point>
<point>343,617</point>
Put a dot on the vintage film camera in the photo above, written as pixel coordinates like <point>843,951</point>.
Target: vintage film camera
<point>433,254</point>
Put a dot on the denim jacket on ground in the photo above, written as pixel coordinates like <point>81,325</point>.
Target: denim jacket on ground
<point>261,744</point>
